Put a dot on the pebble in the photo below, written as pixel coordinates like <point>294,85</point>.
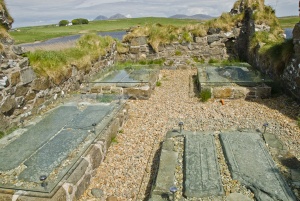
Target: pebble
<point>130,165</point>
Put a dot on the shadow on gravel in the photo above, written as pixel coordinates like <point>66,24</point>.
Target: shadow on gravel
<point>153,173</point>
<point>283,104</point>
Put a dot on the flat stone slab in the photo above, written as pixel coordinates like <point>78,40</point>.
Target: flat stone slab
<point>52,154</point>
<point>166,173</point>
<point>92,114</point>
<point>19,150</point>
<point>202,173</point>
<point>251,164</point>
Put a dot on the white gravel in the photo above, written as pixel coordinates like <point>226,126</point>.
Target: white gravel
<point>127,171</point>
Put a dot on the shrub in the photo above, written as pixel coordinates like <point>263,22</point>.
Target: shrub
<point>158,83</point>
<point>63,23</point>
<point>79,21</point>
<point>205,95</point>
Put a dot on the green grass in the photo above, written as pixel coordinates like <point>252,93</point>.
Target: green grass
<point>41,33</point>
<point>288,22</point>
<point>298,121</point>
<point>205,95</point>
<point>158,83</point>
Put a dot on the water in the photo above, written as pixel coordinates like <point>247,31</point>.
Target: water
<point>115,34</point>
<point>289,33</point>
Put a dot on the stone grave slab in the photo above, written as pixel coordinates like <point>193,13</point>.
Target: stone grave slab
<point>166,173</point>
<point>19,150</point>
<point>251,164</point>
<point>202,174</point>
<point>52,154</point>
<point>92,114</point>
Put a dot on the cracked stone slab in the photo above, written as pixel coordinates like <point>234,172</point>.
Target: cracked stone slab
<point>251,164</point>
<point>202,173</point>
<point>12,155</point>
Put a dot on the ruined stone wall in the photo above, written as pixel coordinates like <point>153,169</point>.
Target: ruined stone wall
<point>217,45</point>
<point>291,74</point>
<point>23,93</point>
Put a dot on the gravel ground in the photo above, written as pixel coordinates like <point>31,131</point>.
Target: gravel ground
<point>131,161</point>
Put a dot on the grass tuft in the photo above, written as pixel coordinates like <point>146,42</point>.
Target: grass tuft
<point>205,95</point>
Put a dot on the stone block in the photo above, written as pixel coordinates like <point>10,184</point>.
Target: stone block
<point>15,78</point>
<point>166,172</point>
<point>27,75</point>
<point>134,49</point>
<point>84,184</point>
<point>3,82</point>
<point>78,173</point>
<point>202,174</point>
<point>97,154</point>
<point>220,92</point>
<point>212,38</point>
<point>40,84</point>
<point>138,41</point>
<point>24,62</point>
<point>8,106</point>
<point>21,90</point>
<point>258,172</point>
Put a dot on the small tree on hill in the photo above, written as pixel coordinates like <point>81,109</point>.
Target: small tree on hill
<point>75,22</point>
<point>63,23</point>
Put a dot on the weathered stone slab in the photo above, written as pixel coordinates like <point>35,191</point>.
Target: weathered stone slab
<point>92,114</point>
<point>52,154</point>
<point>202,176</point>
<point>166,173</point>
<point>19,150</point>
<point>251,164</point>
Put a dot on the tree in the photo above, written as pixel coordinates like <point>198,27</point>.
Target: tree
<point>63,23</point>
<point>79,21</point>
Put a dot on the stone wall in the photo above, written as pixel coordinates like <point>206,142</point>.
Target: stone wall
<point>217,45</point>
<point>23,93</point>
<point>291,74</point>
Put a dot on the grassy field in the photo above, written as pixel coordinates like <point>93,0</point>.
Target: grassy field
<point>288,22</point>
<point>40,33</point>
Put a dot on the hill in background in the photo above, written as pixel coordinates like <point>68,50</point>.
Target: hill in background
<point>101,17</point>
<point>196,17</point>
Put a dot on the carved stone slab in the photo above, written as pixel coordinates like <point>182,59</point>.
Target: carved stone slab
<point>251,164</point>
<point>202,175</point>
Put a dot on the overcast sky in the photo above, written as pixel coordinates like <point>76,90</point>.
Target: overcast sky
<point>40,12</point>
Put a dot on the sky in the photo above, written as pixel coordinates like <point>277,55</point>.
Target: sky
<point>42,12</point>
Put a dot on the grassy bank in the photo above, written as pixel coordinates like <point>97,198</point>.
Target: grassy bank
<point>288,22</point>
<point>41,33</point>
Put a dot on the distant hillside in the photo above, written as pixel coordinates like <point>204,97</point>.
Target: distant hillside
<point>117,16</point>
<point>196,17</point>
<point>100,17</point>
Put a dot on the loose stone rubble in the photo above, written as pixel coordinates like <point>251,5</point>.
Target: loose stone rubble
<point>131,163</point>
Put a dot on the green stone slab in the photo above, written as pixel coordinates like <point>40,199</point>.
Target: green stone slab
<point>201,170</point>
<point>251,164</point>
<point>52,154</point>
<point>92,114</point>
<point>19,150</point>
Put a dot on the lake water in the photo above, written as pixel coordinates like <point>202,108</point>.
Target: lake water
<point>288,32</point>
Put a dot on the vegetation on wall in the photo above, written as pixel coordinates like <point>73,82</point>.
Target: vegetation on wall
<point>58,63</point>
